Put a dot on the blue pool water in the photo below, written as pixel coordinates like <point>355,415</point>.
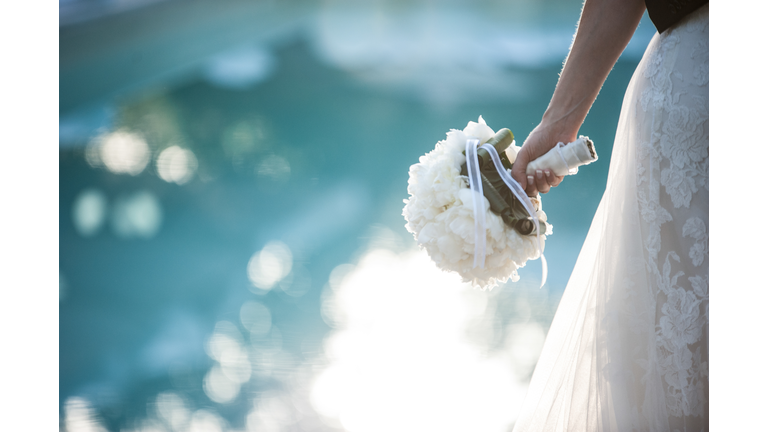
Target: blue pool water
<point>294,141</point>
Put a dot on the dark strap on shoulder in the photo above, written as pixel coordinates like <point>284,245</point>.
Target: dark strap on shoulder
<point>666,13</point>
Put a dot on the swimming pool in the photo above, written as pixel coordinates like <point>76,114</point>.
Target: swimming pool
<point>222,226</point>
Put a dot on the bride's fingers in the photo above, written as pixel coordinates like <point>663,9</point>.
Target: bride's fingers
<point>552,179</point>
<point>530,188</point>
<point>542,183</point>
<point>518,168</point>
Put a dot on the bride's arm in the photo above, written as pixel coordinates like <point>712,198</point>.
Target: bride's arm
<point>604,30</point>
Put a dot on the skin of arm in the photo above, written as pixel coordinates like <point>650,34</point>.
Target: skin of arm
<point>604,30</point>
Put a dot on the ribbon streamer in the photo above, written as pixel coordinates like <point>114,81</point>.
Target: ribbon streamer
<point>476,186</point>
<point>519,192</point>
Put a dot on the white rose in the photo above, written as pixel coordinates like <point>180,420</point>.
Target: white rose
<point>512,152</point>
<point>479,130</point>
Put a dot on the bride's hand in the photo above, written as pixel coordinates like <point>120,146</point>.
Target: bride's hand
<point>539,141</point>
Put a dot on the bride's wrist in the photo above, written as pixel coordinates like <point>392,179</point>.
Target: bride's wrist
<point>564,117</point>
<point>560,128</point>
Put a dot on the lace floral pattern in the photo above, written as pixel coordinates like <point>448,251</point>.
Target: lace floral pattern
<point>672,193</point>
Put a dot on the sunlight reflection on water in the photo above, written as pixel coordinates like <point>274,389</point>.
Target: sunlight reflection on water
<point>412,348</point>
<point>400,357</point>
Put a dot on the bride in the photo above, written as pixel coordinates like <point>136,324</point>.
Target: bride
<point>628,349</point>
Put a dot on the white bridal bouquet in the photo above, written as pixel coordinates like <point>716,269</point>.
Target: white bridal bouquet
<point>470,215</point>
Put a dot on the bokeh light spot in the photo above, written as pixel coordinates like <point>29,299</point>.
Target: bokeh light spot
<point>256,318</point>
<point>122,152</point>
<point>92,151</point>
<point>235,365</point>
<point>218,387</point>
<point>205,420</point>
<point>225,337</point>
<point>137,215</point>
<point>273,412</point>
<point>176,165</point>
<point>151,425</point>
<point>268,266</point>
<point>89,211</point>
<point>79,416</point>
<point>172,409</point>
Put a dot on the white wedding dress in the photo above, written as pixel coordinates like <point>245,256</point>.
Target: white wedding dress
<point>628,349</point>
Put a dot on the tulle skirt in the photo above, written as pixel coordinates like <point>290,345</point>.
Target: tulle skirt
<point>628,348</point>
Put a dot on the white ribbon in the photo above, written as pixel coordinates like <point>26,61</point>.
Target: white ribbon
<point>476,186</point>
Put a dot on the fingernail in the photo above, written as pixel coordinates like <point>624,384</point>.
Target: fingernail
<point>530,180</point>
<point>546,172</point>
<point>538,174</point>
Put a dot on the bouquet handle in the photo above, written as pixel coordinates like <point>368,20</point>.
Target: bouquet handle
<point>565,159</point>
